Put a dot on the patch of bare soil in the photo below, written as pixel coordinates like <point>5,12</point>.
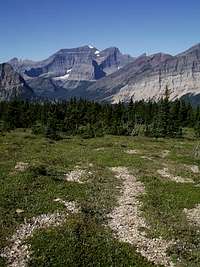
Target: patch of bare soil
<point>18,253</point>
<point>193,215</point>
<point>126,221</point>
<point>178,179</point>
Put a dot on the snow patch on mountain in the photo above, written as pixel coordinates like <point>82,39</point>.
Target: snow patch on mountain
<point>64,77</point>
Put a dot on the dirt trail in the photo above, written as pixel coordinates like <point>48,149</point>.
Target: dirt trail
<point>18,252</point>
<point>126,221</point>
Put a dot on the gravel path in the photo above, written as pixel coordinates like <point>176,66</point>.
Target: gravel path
<point>126,221</point>
<point>18,252</point>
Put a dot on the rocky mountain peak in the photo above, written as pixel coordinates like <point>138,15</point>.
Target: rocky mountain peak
<point>192,50</point>
<point>12,84</point>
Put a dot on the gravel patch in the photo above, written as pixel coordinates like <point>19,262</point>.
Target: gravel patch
<point>18,253</point>
<point>126,221</point>
<point>21,166</point>
<point>178,179</point>
<point>132,151</point>
<point>71,206</point>
<point>193,215</point>
<point>76,175</point>
<point>194,168</point>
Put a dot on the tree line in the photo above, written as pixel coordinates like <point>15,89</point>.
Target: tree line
<point>92,119</point>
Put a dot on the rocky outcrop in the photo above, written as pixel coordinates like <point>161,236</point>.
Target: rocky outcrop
<point>12,85</point>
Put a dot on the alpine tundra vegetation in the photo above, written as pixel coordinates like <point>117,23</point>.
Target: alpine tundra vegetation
<point>77,202</point>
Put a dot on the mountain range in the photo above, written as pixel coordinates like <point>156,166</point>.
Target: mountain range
<point>106,75</point>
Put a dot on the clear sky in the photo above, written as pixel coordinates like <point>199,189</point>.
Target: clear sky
<point>37,28</point>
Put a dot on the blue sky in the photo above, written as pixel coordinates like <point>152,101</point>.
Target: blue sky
<point>35,29</point>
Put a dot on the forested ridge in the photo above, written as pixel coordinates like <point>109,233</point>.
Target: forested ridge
<point>91,119</point>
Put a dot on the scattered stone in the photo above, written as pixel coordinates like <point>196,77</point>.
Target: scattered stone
<point>193,215</point>
<point>91,165</point>
<point>132,151</point>
<point>19,211</point>
<point>165,153</point>
<point>71,206</point>
<point>21,166</point>
<point>75,176</point>
<point>178,179</point>
<point>126,221</point>
<point>18,253</point>
<point>194,169</point>
<point>100,149</point>
<point>146,157</point>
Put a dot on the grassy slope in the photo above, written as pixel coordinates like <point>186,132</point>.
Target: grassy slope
<point>83,241</point>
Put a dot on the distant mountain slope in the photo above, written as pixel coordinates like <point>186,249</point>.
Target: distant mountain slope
<point>12,85</point>
<point>111,86</point>
<point>147,77</point>
<point>109,75</point>
<point>49,88</point>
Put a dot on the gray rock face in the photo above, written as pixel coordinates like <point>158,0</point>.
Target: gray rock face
<point>111,59</point>
<point>109,87</point>
<point>12,85</point>
<point>82,63</point>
